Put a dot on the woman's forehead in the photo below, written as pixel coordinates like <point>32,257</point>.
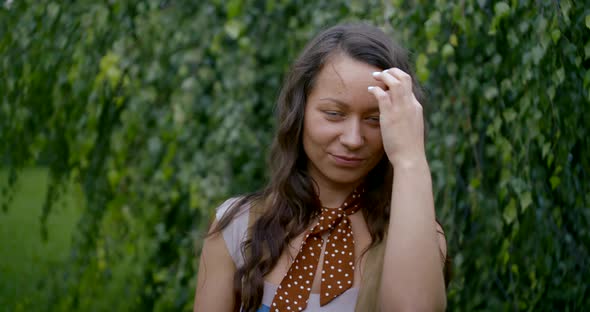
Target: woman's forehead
<point>346,80</point>
<point>346,71</point>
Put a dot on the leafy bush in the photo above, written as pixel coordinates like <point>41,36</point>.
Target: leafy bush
<point>161,109</point>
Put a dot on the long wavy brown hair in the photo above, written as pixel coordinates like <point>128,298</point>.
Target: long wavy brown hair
<point>289,199</point>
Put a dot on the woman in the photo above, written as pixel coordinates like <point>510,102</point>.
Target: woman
<point>348,117</point>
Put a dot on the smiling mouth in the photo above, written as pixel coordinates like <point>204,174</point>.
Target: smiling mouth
<point>347,161</point>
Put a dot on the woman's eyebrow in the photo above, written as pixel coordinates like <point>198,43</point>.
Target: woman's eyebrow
<point>347,106</point>
<point>337,101</point>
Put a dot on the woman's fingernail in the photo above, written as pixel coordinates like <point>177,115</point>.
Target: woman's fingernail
<point>375,74</point>
<point>371,88</point>
<point>385,70</point>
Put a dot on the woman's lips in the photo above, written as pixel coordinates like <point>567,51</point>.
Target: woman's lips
<point>347,161</point>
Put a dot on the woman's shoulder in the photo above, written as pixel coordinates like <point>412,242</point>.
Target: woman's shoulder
<point>235,213</point>
<point>233,208</point>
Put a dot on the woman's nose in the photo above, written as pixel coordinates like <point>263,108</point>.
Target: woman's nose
<point>352,136</point>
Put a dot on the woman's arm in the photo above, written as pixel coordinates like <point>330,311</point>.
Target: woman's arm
<point>413,269</point>
<point>215,277</point>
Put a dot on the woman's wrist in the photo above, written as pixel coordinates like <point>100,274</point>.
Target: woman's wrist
<point>411,163</point>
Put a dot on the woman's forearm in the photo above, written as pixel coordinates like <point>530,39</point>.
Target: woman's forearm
<point>412,271</point>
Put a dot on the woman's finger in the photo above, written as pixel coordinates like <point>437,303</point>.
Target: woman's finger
<point>401,76</point>
<point>390,81</point>
<point>402,90</point>
<point>397,89</point>
<point>382,97</point>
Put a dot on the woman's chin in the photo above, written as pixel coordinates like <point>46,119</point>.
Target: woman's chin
<point>345,179</point>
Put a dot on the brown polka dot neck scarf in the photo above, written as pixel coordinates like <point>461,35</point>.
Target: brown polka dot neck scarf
<point>338,267</point>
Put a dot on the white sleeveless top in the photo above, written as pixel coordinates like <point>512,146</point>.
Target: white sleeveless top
<point>235,233</point>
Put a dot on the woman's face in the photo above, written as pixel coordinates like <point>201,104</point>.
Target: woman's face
<point>341,134</point>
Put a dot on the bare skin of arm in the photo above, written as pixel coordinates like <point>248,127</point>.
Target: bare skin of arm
<point>215,277</point>
<point>413,271</point>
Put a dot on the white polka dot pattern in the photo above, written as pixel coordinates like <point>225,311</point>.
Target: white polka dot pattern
<point>338,267</point>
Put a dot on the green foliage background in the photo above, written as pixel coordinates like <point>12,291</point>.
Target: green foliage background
<point>162,109</point>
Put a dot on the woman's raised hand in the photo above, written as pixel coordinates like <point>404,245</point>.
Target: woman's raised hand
<point>401,119</point>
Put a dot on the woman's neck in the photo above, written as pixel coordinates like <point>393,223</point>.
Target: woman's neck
<point>332,195</point>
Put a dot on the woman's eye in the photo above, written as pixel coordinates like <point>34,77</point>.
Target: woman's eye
<point>333,114</point>
<point>374,119</point>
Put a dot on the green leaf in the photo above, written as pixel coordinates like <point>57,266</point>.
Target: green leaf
<point>509,213</point>
<point>509,115</point>
<point>234,8</point>
<point>545,150</point>
<point>537,52</point>
<point>422,67</point>
<point>432,25</point>
<point>432,47</point>
<point>555,181</point>
<point>501,9</point>
<point>453,40</point>
<point>490,93</point>
<point>559,76</point>
<point>555,35</point>
<point>356,6</point>
<point>109,69</point>
<point>233,28</point>
<point>447,51</point>
<point>525,200</point>
<point>475,183</point>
